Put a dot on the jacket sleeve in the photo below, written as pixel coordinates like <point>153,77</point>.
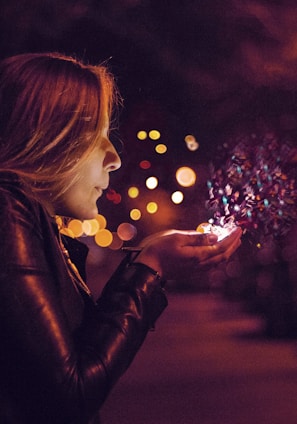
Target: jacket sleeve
<point>54,372</point>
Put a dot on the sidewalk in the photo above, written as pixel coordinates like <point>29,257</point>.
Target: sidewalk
<point>207,363</point>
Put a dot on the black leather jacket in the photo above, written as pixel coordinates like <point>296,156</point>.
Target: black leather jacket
<point>61,352</point>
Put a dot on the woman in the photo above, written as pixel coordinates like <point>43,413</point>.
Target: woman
<point>61,350</point>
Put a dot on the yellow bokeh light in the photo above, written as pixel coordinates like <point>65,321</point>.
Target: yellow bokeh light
<point>103,238</point>
<point>90,226</point>
<point>177,197</point>
<point>152,207</point>
<point>101,221</point>
<point>75,225</point>
<point>142,135</point>
<point>133,192</point>
<point>154,135</point>
<point>185,176</point>
<point>135,214</point>
<point>161,148</point>
<point>151,183</point>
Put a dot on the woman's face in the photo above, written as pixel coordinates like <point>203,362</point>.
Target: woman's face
<point>80,200</point>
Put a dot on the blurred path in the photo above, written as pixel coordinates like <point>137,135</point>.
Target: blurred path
<point>207,363</point>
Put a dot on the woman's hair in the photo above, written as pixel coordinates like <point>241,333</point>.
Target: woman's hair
<point>53,109</point>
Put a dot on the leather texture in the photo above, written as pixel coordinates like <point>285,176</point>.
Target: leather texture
<point>61,351</point>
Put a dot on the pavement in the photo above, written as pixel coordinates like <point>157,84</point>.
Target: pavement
<point>207,362</point>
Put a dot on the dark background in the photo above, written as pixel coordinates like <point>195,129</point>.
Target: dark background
<point>187,66</point>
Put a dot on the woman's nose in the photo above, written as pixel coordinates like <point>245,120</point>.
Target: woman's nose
<point>112,161</point>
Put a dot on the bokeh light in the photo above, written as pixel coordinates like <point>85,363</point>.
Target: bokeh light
<point>116,243</point>
<point>151,183</point>
<point>76,227</point>
<point>161,148</point>
<point>135,214</point>
<point>103,238</point>
<point>145,164</point>
<point>142,135</point>
<point>152,207</point>
<point>177,197</point>
<point>154,135</point>
<point>126,231</point>
<point>90,227</point>
<point>191,142</point>
<point>133,192</point>
<point>185,176</point>
<point>101,221</point>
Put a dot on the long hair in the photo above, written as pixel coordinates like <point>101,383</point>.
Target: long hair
<point>53,109</point>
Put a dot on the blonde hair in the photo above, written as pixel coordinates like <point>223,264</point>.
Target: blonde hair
<point>53,109</point>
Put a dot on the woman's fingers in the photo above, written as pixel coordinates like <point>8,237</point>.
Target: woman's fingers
<point>207,250</point>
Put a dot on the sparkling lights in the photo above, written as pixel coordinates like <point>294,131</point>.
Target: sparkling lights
<point>143,198</point>
<point>254,185</point>
<point>103,237</point>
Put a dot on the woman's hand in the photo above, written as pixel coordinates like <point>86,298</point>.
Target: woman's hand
<point>179,253</point>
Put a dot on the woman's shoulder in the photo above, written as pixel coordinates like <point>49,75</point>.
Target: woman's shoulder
<point>16,197</point>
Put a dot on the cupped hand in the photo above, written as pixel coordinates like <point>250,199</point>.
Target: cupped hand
<point>177,253</point>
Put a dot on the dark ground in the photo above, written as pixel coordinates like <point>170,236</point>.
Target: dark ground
<point>208,362</point>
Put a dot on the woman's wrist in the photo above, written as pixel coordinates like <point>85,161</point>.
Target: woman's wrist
<point>139,255</point>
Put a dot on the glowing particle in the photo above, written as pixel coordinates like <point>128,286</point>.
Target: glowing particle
<point>75,225</point>
<point>101,221</point>
<point>142,135</point>
<point>151,183</point>
<point>133,192</point>
<point>191,142</point>
<point>185,176</point>
<point>103,238</point>
<point>135,214</point>
<point>154,135</point>
<point>177,197</point>
<point>116,243</point>
<point>126,231</point>
<point>161,148</point>
<point>152,207</point>
<point>90,227</point>
<point>145,164</point>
